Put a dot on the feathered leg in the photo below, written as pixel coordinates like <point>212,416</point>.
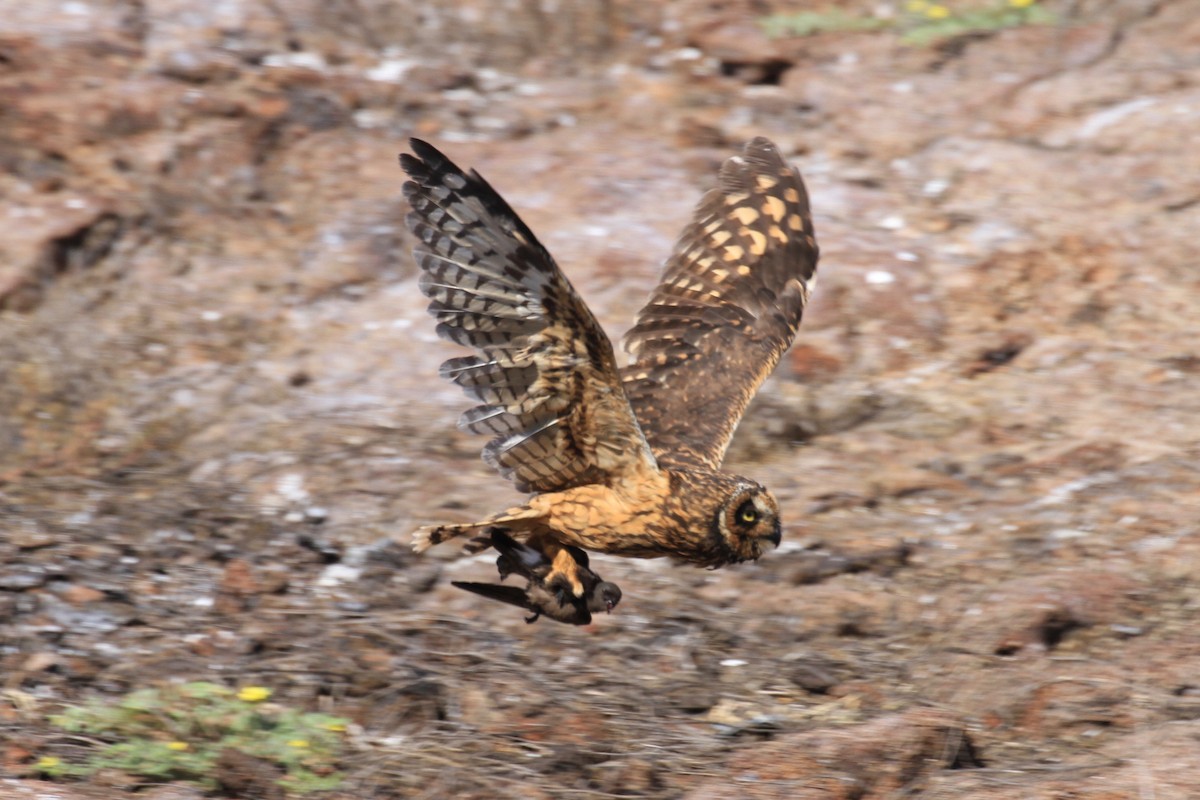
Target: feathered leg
<point>519,521</point>
<point>564,570</point>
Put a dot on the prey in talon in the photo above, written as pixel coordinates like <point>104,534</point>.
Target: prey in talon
<point>545,594</point>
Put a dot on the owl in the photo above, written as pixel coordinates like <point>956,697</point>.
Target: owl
<point>618,460</point>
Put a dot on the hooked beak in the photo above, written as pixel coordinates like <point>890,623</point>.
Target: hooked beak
<point>776,535</point>
<point>608,606</point>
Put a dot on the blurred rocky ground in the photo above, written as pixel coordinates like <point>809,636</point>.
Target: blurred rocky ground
<point>218,393</point>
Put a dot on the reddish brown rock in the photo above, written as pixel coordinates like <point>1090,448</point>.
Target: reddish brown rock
<point>875,760</point>
<point>82,595</point>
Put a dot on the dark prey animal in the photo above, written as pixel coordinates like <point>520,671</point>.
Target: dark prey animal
<point>551,598</point>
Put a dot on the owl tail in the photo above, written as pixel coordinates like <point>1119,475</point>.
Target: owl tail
<point>515,520</point>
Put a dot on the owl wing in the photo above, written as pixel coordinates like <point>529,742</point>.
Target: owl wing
<point>544,370</point>
<point>727,308</point>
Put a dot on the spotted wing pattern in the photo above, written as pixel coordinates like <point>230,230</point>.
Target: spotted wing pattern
<point>727,308</point>
<point>544,371</point>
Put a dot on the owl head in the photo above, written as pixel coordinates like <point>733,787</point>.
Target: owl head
<point>746,521</point>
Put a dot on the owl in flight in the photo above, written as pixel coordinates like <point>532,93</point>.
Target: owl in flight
<point>627,460</point>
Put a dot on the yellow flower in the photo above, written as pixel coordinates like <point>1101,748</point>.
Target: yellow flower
<point>253,694</point>
<point>336,726</point>
<point>298,743</point>
<point>937,12</point>
<point>1020,3</point>
<point>48,762</point>
<point>177,746</point>
<point>916,6</point>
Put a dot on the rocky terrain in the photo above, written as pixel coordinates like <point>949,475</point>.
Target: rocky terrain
<point>219,402</point>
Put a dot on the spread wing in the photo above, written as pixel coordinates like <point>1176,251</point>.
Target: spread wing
<point>727,308</point>
<point>544,370</point>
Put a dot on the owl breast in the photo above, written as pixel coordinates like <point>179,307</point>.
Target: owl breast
<point>631,519</point>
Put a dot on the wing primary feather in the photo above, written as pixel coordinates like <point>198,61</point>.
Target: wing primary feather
<point>545,369</point>
<point>523,438</point>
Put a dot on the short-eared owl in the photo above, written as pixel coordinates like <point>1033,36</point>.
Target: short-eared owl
<point>623,461</point>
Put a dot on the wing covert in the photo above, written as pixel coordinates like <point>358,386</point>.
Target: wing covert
<point>727,308</point>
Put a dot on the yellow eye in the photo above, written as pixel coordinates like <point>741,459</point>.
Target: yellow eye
<point>747,514</point>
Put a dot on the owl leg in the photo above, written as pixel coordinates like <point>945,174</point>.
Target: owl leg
<point>564,574</point>
<point>425,538</point>
<point>565,571</point>
<point>517,518</point>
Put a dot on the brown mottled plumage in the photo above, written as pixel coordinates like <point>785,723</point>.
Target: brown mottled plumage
<point>620,461</point>
<point>546,593</point>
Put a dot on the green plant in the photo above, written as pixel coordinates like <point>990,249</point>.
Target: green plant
<point>178,733</point>
<point>808,23</point>
<point>929,22</point>
<point>921,22</point>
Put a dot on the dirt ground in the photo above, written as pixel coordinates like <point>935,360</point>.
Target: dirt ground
<point>219,397</point>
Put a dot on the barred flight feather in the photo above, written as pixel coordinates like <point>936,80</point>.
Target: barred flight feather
<point>543,358</point>
<point>729,303</point>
